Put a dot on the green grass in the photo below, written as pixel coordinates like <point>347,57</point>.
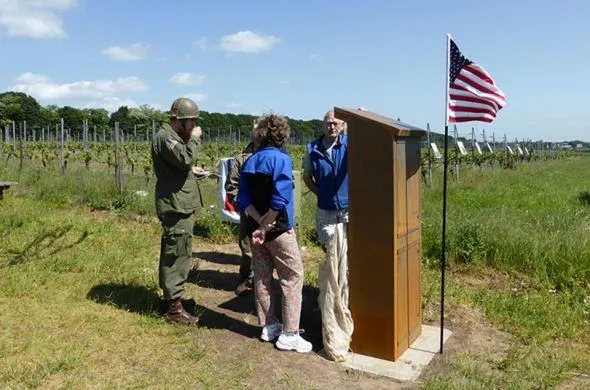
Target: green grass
<point>79,294</point>
<point>518,252</point>
<point>548,333</point>
<point>79,298</point>
<point>527,221</point>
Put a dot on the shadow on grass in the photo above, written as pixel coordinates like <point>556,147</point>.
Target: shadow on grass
<point>240,304</point>
<point>584,198</point>
<point>139,299</point>
<point>219,258</point>
<point>218,280</point>
<point>311,318</point>
<point>133,298</point>
<point>214,320</point>
<point>46,244</point>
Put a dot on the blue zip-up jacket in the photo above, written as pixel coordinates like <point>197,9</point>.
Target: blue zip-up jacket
<point>266,183</point>
<point>330,176</point>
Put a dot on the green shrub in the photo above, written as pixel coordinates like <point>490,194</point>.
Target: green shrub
<point>468,244</point>
<point>208,225</point>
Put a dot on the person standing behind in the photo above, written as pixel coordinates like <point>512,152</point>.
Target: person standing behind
<point>174,150</point>
<point>266,197</point>
<point>244,286</point>
<point>325,173</point>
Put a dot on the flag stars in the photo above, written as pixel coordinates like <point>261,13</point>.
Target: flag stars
<point>458,61</point>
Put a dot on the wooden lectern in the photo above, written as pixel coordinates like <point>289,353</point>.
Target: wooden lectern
<point>384,233</point>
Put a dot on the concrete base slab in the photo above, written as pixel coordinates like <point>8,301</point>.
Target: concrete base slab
<point>410,365</point>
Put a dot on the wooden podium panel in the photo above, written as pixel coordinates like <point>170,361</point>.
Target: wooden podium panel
<point>384,233</point>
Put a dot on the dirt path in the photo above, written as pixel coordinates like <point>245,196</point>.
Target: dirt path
<point>235,330</point>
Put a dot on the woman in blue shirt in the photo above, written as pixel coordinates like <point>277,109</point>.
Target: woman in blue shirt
<point>266,196</point>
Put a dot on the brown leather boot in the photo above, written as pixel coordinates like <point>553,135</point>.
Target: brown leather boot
<point>178,315</point>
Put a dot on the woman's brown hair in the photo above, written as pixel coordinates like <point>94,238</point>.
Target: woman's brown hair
<point>273,130</point>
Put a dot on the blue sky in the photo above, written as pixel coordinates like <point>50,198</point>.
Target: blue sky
<point>300,58</point>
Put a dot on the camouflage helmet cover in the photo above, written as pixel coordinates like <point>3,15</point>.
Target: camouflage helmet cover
<point>184,108</point>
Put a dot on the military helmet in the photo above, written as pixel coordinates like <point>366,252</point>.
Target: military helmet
<point>184,108</point>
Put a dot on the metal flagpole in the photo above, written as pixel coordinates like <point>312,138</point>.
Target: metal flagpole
<point>444,212</point>
<point>429,155</point>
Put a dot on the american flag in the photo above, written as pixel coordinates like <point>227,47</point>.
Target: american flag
<point>473,95</point>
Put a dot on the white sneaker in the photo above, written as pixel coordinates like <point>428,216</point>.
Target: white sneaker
<point>271,332</point>
<point>293,342</point>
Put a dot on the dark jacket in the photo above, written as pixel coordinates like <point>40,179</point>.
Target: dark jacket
<point>266,183</point>
<point>235,169</point>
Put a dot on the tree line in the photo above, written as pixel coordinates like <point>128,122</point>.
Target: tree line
<point>19,107</point>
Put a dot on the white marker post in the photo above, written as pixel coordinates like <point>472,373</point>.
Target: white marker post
<point>436,151</point>
<point>478,147</point>
<point>462,148</point>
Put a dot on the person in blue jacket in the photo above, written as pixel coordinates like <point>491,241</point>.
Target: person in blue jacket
<point>325,173</point>
<point>265,195</point>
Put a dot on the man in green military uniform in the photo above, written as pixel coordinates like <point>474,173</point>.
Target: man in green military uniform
<point>244,286</point>
<point>174,150</point>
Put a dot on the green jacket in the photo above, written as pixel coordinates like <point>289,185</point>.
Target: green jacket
<point>233,178</point>
<point>176,185</point>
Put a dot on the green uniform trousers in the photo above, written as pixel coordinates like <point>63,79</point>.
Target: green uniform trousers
<point>176,258</point>
<point>244,243</point>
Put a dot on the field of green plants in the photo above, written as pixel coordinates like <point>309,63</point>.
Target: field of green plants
<point>135,156</point>
<point>518,261</point>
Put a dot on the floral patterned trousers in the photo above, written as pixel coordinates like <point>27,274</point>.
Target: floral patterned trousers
<point>281,254</point>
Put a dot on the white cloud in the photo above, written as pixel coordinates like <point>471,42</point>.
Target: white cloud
<point>41,87</point>
<point>202,43</point>
<point>284,81</point>
<point>197,97</point>
<point>187,78</point>
<point>234,105</point>
<point>247,42</point>
<point>34,18</point>
<point>134,52</point>
<point>112,103</point>
<point>32,78</point>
